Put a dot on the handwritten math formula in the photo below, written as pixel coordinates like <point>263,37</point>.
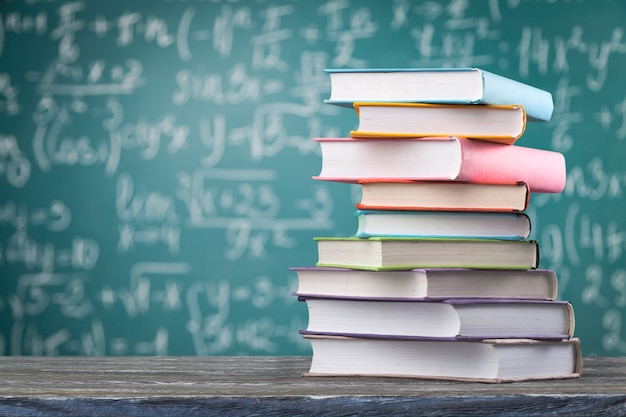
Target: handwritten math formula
<point>156,161</point>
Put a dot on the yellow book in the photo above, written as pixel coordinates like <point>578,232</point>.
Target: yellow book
<point>495,123</point>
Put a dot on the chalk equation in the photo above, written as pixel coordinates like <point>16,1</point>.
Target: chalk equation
<point>156,162</point>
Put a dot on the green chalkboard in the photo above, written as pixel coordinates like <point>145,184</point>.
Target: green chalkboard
<point>156,160</point>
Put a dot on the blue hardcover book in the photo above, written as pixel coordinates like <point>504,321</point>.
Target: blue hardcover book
<point>442,224</point>
<point>437,85</point>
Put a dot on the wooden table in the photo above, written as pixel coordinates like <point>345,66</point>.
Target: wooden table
<point>263,386</point>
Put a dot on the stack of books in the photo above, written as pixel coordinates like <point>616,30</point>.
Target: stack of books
<point>440,279</point>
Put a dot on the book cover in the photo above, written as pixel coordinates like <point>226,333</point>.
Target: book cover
<point>501,124</point>
<point>441,159</point>
<point>437,85</point>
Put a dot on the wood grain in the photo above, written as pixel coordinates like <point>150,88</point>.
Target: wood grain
<point>229,386</point>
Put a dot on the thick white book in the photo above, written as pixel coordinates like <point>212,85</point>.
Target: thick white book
<point>496,360</point>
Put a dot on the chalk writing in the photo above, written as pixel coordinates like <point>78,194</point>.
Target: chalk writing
<point>156,162</point>
<point>14,166</point>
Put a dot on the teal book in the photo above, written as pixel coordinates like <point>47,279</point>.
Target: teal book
<point>381,253</point>
<point>438,86</point>
<point>442,224</point>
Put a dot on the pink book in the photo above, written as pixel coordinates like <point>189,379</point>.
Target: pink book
<point>441,159</point>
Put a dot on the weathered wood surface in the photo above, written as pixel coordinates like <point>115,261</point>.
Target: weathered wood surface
<point>245,386</point>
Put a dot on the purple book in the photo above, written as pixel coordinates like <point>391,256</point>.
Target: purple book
<point>467,319</point>
<point>425,284</point>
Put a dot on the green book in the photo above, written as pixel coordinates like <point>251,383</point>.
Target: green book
<point>380,253</point>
